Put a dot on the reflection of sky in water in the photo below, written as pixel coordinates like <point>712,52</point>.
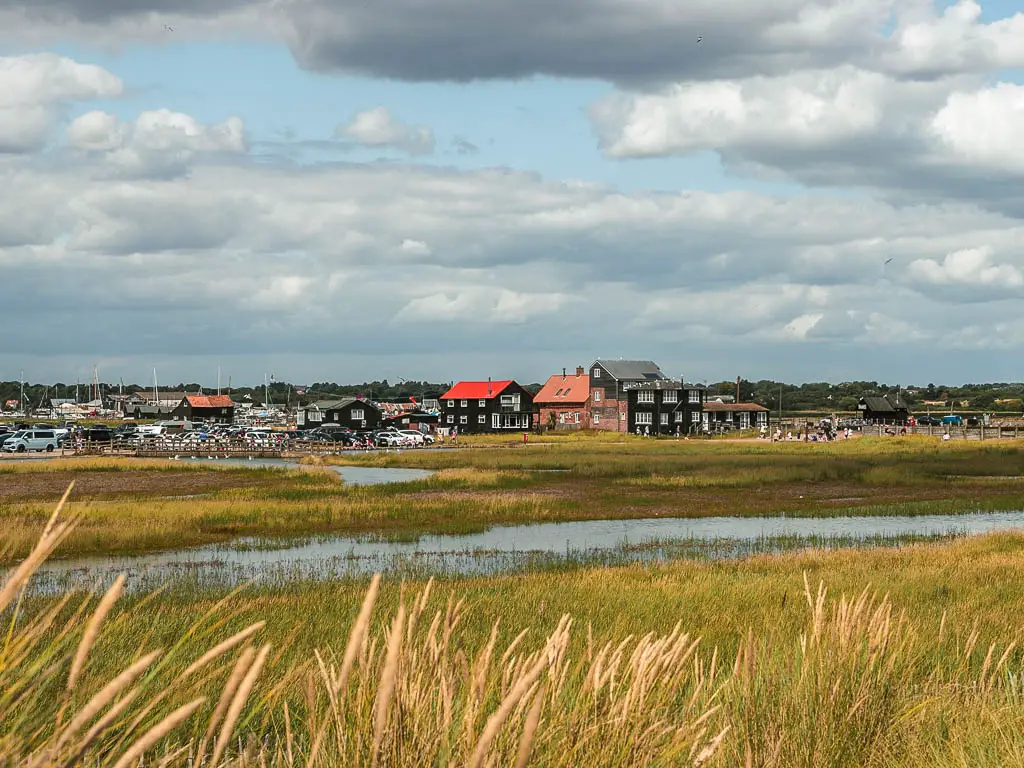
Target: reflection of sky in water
<point>509,548</point>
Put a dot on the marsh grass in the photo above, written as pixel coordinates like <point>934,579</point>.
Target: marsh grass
<point>575,478</point>
<point>497,672</point>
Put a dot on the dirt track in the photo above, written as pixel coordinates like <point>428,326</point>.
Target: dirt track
<point>25,486</point>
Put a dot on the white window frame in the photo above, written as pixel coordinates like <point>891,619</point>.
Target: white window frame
<point>679,417</point>
<point>597,418</point>
<point>481,403</point>
<point>463,403</point>
<point>463,419</point>
<point>645,396</point>
<point>597,373</point>
<point>693,396</point>
<point>670,396</point>
<point>451,419</point>
<point>695,417</point>
<point>597,395</point>
<point>358,414</point>
<point>482,418</point>
<point>664,419</point>
<point>744,419</point>
<point>645,418</point>
<point>451,403</point>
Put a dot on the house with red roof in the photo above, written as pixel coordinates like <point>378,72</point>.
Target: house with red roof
<point>564,401</point>
<point>475,407</point>
<point>216,408</point>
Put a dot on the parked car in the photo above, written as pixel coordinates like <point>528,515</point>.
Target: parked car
<point>31,440</point>
<point>416,436</point>
<point>929,421</point>
<point>99,433</point>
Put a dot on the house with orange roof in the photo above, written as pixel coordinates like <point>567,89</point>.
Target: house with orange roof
<point>564,401</point>
<point>216,408</point>
<point>475,407</point>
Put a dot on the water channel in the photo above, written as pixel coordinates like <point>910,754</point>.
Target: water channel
<point>503,549</point>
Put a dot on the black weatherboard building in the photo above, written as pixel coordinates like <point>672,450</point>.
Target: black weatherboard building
<point>887,409</point>
<point>487,406</point>
<point>348,412</point>
<point>664,407</point>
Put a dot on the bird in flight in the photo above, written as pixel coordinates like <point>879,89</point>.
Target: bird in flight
<point>889,259</point>
<point>700,39</point>
<point>168,28</point>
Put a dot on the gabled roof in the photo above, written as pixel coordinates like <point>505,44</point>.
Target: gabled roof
<point>343,402</point>
<point>884,404</point>
<point>209,401</point>
<point>638,370</point>
<point>570,389</point>
<point>476,390</point>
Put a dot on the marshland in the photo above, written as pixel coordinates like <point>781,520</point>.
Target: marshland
<point>902,654</point>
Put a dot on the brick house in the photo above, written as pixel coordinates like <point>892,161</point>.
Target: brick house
<point>564,401</point>
<point>608,380</point>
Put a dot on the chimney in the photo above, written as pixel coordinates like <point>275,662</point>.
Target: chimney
<point>563,374</point>
<point>737,389</point>
<point>579,371</point>
<point>488,386</point>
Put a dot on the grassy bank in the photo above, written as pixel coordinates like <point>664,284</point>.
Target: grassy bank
<point>681,664</point>
<point>143,508</point>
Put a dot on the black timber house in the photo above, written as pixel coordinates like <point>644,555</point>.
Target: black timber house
<point>475,407</point>
<point>351,412</point>
<point>886,409</point>
<point>664,407</point>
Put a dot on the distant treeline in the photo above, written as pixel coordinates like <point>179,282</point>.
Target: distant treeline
<point>815,396</point>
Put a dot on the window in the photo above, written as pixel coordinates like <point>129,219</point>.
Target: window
<point>679,417</point>
<point>597,395</point>
<point>463,419</point>
<point>576,417</point>
<point>664,419</point>
<point>482,403</point>
<point>510,400</point>
<point>316,416</point>
<point>482,418</point>
<point>451,419</point>
<point>558,393</point>
<point>645,396</point>
<point>451,403</point>
<point>463,403</point>
<point>597,373</point>
<point>670,397</point>
<point>695,416</point>
<point>645,418</point>
<point>357,414</point>
<point>744,419</point>
<point>694,395</point>
<point>597,418</point>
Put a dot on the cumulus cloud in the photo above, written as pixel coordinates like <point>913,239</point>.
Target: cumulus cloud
<point>34,88</point>
<point>157,142</point>
<point>972,271</point>
<point>378,128</point>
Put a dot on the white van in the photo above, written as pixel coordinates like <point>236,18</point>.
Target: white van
<point>31,440</point>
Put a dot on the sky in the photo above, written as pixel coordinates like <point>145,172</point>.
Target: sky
<point>336,190</point>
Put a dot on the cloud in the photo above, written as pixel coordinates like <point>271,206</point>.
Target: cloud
<point>972,272</point>
<point>983,128</point>
<point>377,128</point>
<point>157,142</point>
<point>481,304</point>
<point>34,88</point>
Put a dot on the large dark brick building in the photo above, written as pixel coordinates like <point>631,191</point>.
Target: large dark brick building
<point>608,386</point>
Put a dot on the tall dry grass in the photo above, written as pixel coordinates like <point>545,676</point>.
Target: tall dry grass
<point>861,685</point>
